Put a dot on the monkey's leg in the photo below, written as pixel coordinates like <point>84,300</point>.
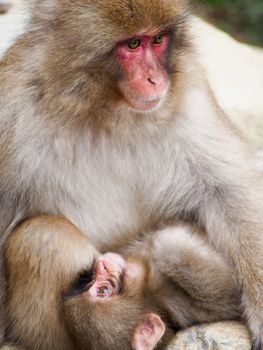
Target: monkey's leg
<point>43,257</point>
<point>236,231</point>
<point>189,261</point>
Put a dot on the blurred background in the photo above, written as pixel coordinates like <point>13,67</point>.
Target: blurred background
<point>243,19</point>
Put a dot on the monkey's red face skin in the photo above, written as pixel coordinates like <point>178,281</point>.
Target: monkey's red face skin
<point>145,81</point>
<point>112,273</point>
<point>109,270</point>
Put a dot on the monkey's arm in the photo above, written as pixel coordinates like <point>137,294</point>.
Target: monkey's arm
<point>225,197</point>
<point>191,264</point>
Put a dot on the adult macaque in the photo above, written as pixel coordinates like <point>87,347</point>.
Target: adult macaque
<point>168,281</point>
<point>107,119</point>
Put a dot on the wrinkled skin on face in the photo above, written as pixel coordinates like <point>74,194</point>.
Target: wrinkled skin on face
<point>112,274</point>
<point>142,59</point>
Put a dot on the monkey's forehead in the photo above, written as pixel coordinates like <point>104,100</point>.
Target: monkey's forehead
<point>127,16</point>
<point>131,15</point>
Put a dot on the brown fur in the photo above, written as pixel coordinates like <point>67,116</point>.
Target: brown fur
<point>71,146</point>
<point>182,279</point>
<point>189,278</point>
<point>40,271</point>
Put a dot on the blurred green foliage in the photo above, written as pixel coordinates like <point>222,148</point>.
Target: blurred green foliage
<point>241,18</point>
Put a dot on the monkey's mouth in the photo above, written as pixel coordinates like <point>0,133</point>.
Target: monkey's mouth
<point>144,105</point>
<point>140,103</point>
<point>82,283</point>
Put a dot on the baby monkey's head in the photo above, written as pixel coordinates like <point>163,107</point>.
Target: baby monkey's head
<point>111,307</point>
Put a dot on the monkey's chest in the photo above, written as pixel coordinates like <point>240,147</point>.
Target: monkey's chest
<point>113,193</point>
<point>108,207</point>
<point>115,200</point>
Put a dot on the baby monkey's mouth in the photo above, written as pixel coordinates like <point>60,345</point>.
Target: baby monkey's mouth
<point>109,272</point>
<point>82,283</point>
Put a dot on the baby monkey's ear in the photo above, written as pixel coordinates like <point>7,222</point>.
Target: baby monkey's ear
<point>148,333</point>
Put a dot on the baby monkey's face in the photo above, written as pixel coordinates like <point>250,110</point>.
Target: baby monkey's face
<point>113,274</point>
<point>108,307</point>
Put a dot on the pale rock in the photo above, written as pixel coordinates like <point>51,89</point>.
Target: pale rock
<point>228,335</point>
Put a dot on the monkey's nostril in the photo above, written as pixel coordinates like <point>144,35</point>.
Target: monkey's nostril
<point>151,81</point>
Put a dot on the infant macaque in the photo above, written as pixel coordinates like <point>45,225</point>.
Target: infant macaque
<point>137,300</point>
<point>168,281</point>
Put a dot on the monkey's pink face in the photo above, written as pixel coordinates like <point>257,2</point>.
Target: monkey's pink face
<point>145,80</point>
<point>111,272</point>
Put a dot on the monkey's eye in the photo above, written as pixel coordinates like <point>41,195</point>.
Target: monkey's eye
<point>158,39</point>
<point>104,292</point>
<point>134,44</point>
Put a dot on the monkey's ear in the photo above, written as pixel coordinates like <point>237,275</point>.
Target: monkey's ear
<point>148,333</point>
